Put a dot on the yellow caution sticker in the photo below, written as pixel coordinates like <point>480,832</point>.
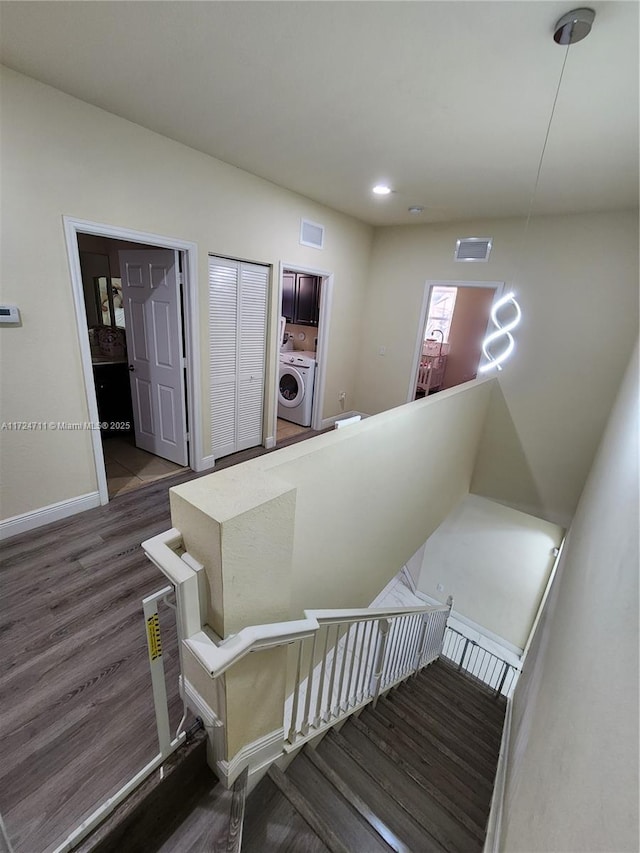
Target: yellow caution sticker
<point>153,636</point>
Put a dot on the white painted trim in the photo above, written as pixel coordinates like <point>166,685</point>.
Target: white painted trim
<point>197,704</point>
<point>47,514</point>
<point>324,318</point>
<point>256,756</point>
<point>329,422</point>
<point>494,824</point>
<point>207,462</point>
<point>270,442</point>
<point>73,254</point>
<point>406,574</point>
<point>213,725</point>
<point>73,227</point>
<point>424,309</point>
<point>326,302</point>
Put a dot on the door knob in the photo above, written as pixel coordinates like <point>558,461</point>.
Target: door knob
<point>131,368</point>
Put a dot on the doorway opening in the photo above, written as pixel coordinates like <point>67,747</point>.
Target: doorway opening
<point>135,311</point>
<point>304,303</point>
<point>454,322</point>
<point>131,413</point>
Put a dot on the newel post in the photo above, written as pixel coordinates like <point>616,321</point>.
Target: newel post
<point>239,524</point>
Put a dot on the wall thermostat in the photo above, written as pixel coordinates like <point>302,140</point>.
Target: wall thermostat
<point>10,315</point>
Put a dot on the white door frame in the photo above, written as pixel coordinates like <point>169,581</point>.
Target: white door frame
<point>72,228</point>
<point>324,315</point>
<point>498,286</point>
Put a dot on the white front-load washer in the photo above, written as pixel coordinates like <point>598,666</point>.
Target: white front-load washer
<point>295,388</point>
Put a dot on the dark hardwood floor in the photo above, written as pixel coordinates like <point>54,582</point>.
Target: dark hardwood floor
<point>414,774</point>
<point>75,689</point>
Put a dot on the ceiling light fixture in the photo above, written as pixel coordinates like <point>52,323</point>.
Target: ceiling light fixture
<point>569,29</point>
<point>416,211</point>
<point>381,189</point>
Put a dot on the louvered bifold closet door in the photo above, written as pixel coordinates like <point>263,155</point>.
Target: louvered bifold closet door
<point>252,338</point>
<point>237,325</point>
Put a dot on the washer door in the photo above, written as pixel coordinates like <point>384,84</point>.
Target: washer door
<point>291,389</point>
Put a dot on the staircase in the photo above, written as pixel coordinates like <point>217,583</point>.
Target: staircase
<point>415,773</point>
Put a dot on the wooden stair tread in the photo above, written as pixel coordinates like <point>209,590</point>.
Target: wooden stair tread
<point>373,813</point>
<point>429,747</point>
<point>414,774</point>
<point>454,737</point>
<point>447,670</point>
<point>327,804</point>
<point>401,804</point>
<point>431,802</point>
<point>446,701</point>
<point>448,691</point>
<point>272,824</point>
<point>441,785</point>
<point>433,765</point>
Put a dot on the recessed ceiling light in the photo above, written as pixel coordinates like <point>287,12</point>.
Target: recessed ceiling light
<point>416,210</point>
<point>381,189</point>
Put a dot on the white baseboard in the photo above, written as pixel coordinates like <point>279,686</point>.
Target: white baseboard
<point>18,524</point>
<point>213,725</point>
<point>329,422</point>
<point>406,574</point>
<point>205,463</point>
<point>269,442</point>
<point>494,824</point>
<point>257,756</point>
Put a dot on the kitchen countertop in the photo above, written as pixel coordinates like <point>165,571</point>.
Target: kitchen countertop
<point>108,359</point>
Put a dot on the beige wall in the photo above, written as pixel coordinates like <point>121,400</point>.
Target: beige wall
<point>495,562</point>
<point>572,774</point>
<point>366,498</point>
<point>64,157</point>
<point>327,521</point>
<point>577,285</point>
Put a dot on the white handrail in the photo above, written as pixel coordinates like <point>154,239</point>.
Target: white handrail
<point>217,657</point>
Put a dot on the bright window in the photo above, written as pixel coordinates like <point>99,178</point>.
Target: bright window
<point>441,305</point>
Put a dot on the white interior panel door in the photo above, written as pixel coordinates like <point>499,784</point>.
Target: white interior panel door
<point>153,328</point>
<point>237,322</point>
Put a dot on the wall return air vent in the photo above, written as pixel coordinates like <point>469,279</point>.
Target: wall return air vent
<point>311,234</point>
<point>473,248</point>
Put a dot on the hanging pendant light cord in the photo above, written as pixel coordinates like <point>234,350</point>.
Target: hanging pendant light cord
<point>544,146</point>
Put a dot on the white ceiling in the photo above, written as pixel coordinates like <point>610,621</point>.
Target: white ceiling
<point>447,101</point>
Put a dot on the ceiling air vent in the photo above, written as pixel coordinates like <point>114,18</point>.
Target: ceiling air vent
<point>473,248</point>
<point>311,234</point>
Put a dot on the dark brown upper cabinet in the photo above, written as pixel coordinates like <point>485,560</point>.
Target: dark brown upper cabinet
<point>300,298</point>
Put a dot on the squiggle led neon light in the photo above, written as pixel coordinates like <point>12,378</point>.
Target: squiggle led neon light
<point>501,330</point>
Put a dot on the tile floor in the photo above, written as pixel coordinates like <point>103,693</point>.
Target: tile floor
<point>129,468</point>
<point>285,429</point>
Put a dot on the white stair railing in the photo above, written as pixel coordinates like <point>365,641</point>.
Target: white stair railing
<point>353,657</point>
<point>344,658</point>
